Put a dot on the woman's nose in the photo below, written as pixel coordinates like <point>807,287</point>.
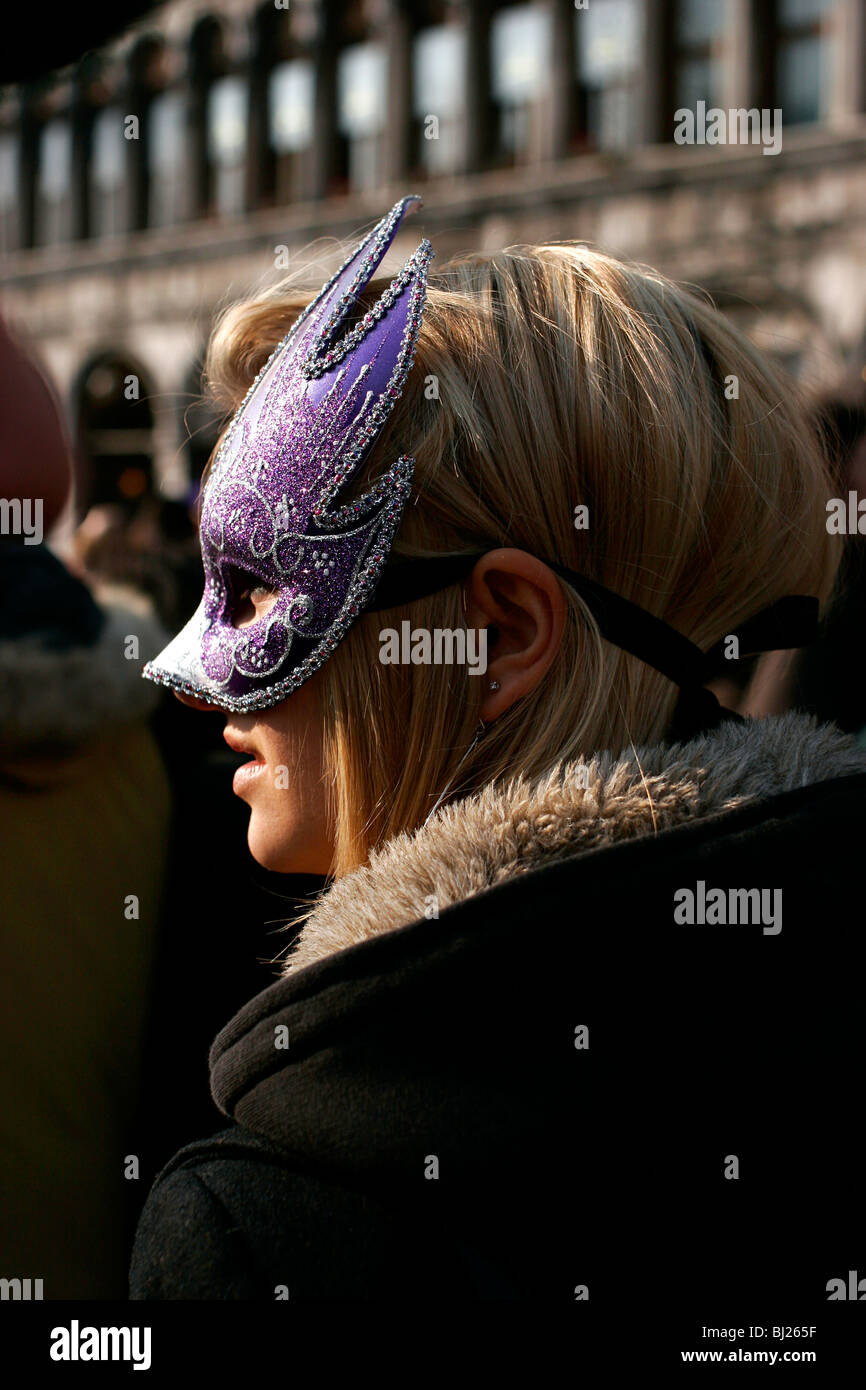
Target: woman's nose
<point>197,704</point>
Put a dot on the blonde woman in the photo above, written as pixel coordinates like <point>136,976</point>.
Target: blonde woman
<point>476,544</point>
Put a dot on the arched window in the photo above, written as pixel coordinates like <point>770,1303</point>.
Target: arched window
<point>227,143</point>
<point>362,93</point>
<point>108,173</point>
<point>8,191</point>
<point>699,42</point>
<point>520,61</point>
<point>439,56</point>
<point>608,41</point>
<point>804,37</point>
<point>291,114</point>
<point>115,425</point>
<point>167,159</point>
<point>54,183</point>
<point>290,53</point>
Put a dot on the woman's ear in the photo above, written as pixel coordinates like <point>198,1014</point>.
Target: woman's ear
<point>520,603</point>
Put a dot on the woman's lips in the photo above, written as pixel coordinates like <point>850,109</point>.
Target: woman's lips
<point>247,772</point>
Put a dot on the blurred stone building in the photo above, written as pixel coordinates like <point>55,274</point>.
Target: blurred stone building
<point>219,140</point>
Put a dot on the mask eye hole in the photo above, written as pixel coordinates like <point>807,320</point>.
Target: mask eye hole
<point>251,596</point>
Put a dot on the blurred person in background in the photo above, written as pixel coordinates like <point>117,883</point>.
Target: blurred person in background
<point>84,815</point>
<point>149,548</point>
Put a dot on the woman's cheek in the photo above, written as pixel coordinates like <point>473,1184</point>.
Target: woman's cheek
<point>288,830</point>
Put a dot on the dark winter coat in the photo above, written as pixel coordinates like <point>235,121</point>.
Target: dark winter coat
<point>557,1083</point>
<point>84,816</point>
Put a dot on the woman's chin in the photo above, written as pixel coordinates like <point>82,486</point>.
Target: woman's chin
<point>271,852</point>
<point>282,853</point>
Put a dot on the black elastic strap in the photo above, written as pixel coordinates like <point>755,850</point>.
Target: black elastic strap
<point>789,622</point>
<point>402,581</point>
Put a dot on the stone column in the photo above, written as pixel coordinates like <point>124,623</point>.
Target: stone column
<point>196,94</point>
<point>28,154</point>
<point>135,100</point>
<point>848,71</point>
<point>325,51</point>
<point>563,95</point>
<point>655,103</point>
<point>739,76</point>
<point>761,22</point>
<point>397,33</point>
<point>258,174</point>
<point>478,104</point>
<point>81,126</point>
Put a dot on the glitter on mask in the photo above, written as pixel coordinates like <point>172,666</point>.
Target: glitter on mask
<point>299,436</point>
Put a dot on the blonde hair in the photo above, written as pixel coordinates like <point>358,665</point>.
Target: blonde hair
<point>548,377</point>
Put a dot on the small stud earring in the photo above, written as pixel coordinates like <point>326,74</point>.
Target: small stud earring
<point>494,685</point>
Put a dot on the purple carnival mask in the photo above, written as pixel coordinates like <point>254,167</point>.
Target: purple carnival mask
<point>308,421</point>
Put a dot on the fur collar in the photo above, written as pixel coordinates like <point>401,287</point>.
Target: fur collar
<point>486,838</point>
